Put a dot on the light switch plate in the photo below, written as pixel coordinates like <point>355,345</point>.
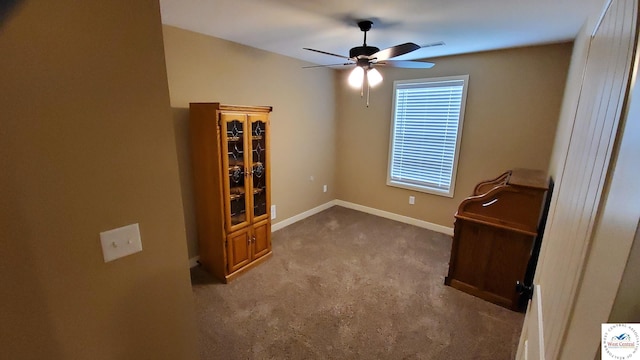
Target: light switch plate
<point>120,242</point>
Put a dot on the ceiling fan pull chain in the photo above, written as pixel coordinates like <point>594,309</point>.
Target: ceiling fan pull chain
<point>368,91</point>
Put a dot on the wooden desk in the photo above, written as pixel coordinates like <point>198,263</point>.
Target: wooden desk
<point>494,234</point>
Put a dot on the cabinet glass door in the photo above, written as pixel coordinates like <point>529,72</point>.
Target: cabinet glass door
<point>259,166</point>
<point>234,127</point>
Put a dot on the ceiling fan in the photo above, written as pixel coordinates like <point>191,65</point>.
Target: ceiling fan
<point>365,57</point>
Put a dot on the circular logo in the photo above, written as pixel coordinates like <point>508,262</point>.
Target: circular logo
<point>620,341</point>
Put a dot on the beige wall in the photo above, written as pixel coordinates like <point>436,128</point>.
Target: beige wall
<point>626,307</point>
<point>512,108</point>
<point>202,68</point>
<point>86,145</point>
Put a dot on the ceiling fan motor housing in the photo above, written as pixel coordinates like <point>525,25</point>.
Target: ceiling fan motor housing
<point>360,51</point>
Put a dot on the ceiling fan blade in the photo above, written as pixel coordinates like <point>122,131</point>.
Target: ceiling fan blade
<point>317,66</point>
<point>439,43</point>
<point>407,64</point>
<point>394,51</point>
<point>327,53</point>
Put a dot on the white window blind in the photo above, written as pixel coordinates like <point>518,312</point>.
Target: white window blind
<point>426,132</point>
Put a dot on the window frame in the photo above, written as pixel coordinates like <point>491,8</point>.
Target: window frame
<point>425,188</point>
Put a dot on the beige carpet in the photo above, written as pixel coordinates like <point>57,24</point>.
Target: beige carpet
<point>348,285</point>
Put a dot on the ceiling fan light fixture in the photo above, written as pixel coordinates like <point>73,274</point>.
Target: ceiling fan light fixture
<point>365,57</point>
<point>374,77</point>
<point>356,77</point>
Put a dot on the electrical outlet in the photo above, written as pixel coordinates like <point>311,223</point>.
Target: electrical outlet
<point>273,212</point>
<point>324,188</point>
<point>120,242</point>
<point>412,200</point>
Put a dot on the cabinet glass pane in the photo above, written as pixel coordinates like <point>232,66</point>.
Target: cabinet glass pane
<point>259,167</point>
<point>235,152</point>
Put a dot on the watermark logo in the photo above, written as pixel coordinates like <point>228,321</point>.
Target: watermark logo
<point>620,341</point>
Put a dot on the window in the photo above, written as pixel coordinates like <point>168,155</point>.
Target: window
<point>425,133</point>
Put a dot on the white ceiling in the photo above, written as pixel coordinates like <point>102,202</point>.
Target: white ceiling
<point>287,26</point>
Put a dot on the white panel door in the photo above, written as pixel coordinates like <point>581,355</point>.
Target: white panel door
<point>579,186</point>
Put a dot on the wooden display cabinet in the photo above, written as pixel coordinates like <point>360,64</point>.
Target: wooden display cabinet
<point>231,168</point>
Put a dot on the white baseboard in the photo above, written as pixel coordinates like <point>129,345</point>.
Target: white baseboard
<point>193,262</point>
<point>401,218</point>
<point>294,219</point>
<point>385,214</point>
